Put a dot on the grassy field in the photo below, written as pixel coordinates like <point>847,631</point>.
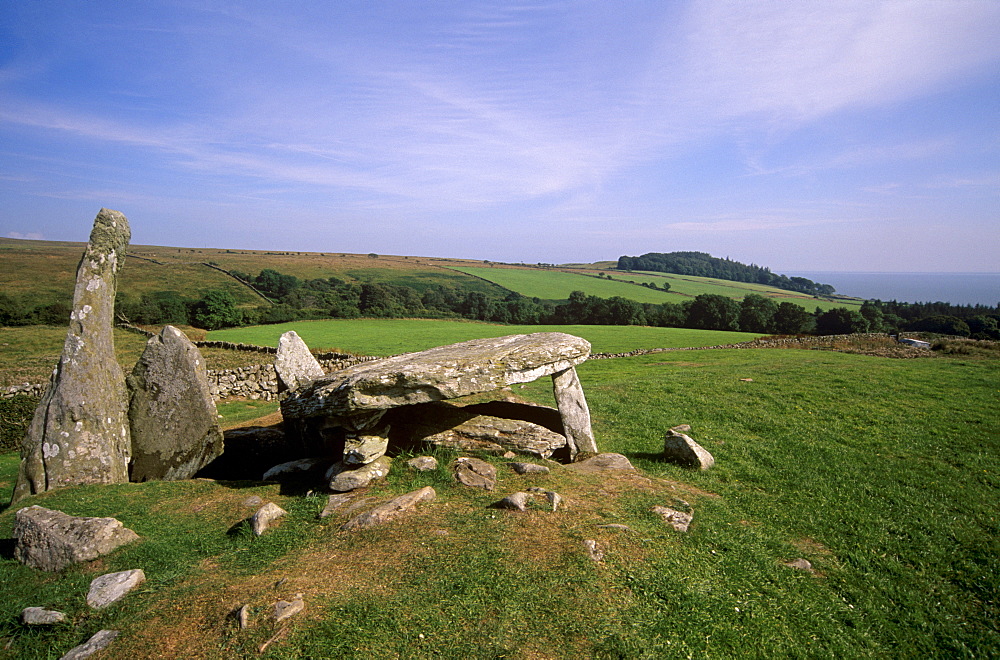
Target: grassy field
<point>882,473</point>
<point>557,285</point>
<point>392,336</point>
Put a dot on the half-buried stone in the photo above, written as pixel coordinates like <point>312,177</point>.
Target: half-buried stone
<point>356,398</point>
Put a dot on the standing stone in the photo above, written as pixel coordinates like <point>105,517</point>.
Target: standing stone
<point>295,365</point>
<point>79,434</point>
<point>173,418</point>
<point>574,412</point>
<point>52,540</point>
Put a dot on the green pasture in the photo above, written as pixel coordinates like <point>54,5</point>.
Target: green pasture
<point>557,285</point>
<point>882,473</point>
<point>392,336</point>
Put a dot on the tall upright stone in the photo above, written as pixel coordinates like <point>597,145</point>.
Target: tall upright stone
<point>172,416</point>
<point>295,365</point>
<point>80,434</point>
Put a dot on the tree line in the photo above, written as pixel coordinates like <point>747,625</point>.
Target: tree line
<point>705,265</point>
<point>294,299</point>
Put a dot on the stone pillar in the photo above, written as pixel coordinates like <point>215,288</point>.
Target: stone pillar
<point>574,412</point>
<point>80,431</point>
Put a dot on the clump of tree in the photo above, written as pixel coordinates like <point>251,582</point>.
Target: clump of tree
<point>703,264</point>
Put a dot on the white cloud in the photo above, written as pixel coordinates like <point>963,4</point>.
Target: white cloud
<point>31,235</point>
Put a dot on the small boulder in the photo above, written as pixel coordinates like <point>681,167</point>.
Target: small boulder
<point>391,509</point>
<point>800,564</point>
<point>593,550</point>
<point>285,609</point>
<point>336,501</point>
<point>423,463</point>
<point>39,616</point>
<point>677,519</point>
<point>602,462</point>
<point>515,502</point>
<point>265,515</point>
<point>111,587</point>
<point>52,540</point>
<point>99,641</point>
<point>529,468</point>
<point>680,448</point>
<point>296,366</point>
<point>343,478</point>
<point>475,473</point>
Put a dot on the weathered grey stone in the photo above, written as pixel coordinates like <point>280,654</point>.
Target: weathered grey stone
<point>243,617</point>
<point>98,642</point>
<point>79,433</point>
<point>681,449</point>
<point>800,564</point>
<point>297,470</point>
<point>423,463</point>
<point>553,497</point>
<point>601,462</point>
<point>476,473</point>
<point>112,587</point>
<point>496,435</point>
<point>574,411</point>
<point>295,365</point>
<point>529,468</point>
<point>52,540</point>
<point>334,502</point>
<point>515,502</point>
<point>264,516</point>
<point>39,616</point>
<point>677,519</point>
<point>446,372</point>
<point>172,416</point>
<point>253,501</point>
<point>366,437</point>
<point>391,509</point>
<point>593,550</point>
<point>345,477</point>
<point>284,609</point>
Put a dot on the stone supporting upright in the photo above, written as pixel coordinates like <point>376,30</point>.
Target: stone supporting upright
<point>574,412</point>
<point>80,431</point>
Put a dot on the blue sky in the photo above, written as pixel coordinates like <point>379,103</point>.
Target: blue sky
<point>852,136</point>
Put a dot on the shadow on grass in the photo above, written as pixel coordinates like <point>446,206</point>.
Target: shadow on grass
<point>7,548</point>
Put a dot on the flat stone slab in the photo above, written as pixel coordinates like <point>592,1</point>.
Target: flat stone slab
<point>391,509</point>
<point>445,372</point>
<point>112,587</point>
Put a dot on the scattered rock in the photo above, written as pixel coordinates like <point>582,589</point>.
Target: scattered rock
<point>553,497</point>
<point>800,564</point>
<point>295,365</point>
<point>111,587</point>
<point>747,380</point>
<point>172,415</point>
<point>284,609</point>
<point>243,617</point>
<point>79,433</point>
<point>391,509</point>
<point>343,478</point>
<point>423,463</point>
<point>601,462</point>
<point>52,540</point>
<point>475,473</point>
<point>39,616</point>
<point>677,519</point>
<point>265,515</point>
<point>336,501</point>
<point>515,502</point>
<point>680,448</point>
<point>594,552</point>
<point>616,526</point>
<point>252,501</point>
<point>100,641</point>
<point>529,468</point>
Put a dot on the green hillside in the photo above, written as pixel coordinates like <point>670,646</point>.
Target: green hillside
<point>557,285</point>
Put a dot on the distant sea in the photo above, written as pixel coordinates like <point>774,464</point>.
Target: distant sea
<point>954,288</point>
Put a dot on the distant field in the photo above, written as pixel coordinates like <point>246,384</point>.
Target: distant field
<point>391,336</point>
<point>557,285</point>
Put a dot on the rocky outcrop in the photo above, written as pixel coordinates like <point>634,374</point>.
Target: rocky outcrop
<point>174,422</point>
<point>80,434</point>
<point>294,364</point>
<point>52,540</point>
